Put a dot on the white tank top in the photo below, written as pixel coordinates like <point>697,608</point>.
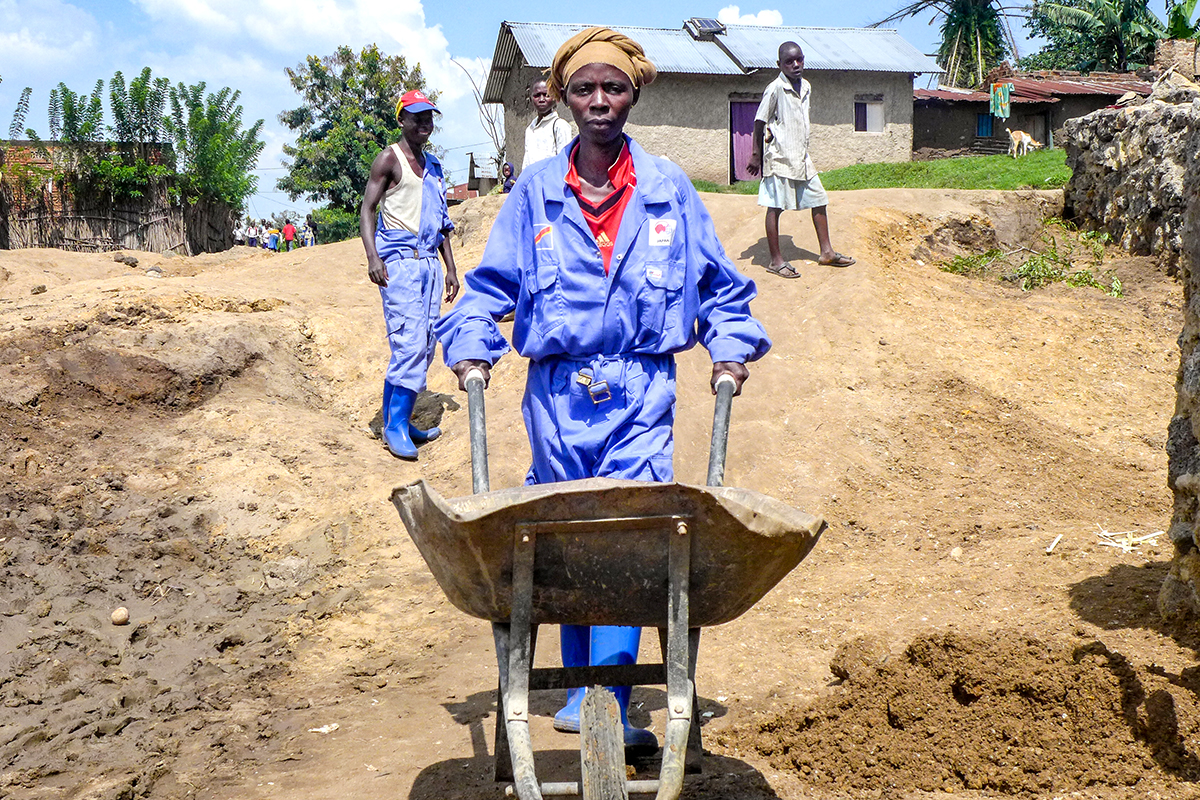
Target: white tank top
<point>401,206</point>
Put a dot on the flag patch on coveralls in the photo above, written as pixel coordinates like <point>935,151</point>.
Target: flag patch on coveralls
<point>544,238</point>
<point>662,232</point>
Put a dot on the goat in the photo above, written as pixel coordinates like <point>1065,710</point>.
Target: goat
<point>1020,142</point>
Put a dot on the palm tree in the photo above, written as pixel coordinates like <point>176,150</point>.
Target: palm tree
<point>976,35</point>
<point>1115,33</point>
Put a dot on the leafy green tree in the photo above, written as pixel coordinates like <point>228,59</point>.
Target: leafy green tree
<point>975,36</point>
<point>77,118</point>
<point>137,110</point>
<point>1105,35</point>
<point>347,115</point>
<point>215,154</point>
<point>18,120</point>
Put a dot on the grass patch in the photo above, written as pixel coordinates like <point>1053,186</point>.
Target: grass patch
<point>1058,259</point>
<point>1041,169</point>
<point>741,187</point>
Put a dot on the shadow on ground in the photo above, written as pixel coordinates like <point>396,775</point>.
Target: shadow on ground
<point>760,255</point>
<point>721,777</point>
<point>1127,597</point>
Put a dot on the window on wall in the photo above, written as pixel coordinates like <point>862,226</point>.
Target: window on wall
<point>983,125</point>
<point>868,113</point>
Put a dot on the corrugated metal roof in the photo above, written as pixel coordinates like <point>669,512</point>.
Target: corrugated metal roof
<point>1064,85</point>
<point>741,49</point>
<point>670,50</point>
<point>866,49</point>
<point>954,95</point>
<point>1044,88</point>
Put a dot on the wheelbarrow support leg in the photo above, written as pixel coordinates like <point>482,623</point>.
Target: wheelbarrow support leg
<point>514,676</point>
<point>679,683</point>
<point>503,756</point>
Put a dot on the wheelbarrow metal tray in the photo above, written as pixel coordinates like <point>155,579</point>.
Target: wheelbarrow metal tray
<point>602,548</point>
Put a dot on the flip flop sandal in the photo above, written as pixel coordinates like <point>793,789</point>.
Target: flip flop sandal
<point>784,270</point>
<point>838,260</point>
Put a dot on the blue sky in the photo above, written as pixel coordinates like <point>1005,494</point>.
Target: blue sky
<point>247,44</point>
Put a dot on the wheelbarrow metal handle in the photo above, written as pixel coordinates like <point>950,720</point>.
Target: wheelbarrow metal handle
<point>726,386</point>
<point>478,422</point>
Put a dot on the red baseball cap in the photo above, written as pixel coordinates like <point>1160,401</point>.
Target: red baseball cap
<point>415,102</point>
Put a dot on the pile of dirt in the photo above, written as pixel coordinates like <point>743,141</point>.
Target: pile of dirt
<point>1009,713</point>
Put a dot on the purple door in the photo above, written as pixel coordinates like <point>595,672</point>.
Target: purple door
<point>741,128</point>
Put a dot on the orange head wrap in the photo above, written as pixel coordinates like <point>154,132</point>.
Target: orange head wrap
<point>599,46</point>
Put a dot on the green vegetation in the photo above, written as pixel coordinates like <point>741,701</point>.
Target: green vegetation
<point>1062,248</point>
<point>200,145</point>
<point>347,115</point>
<point>1088,35</point>
<point>1041,169</point>
<point>976,35</point>
<point>741,187</point>
<point>335,224</point>
<point>215,153</point>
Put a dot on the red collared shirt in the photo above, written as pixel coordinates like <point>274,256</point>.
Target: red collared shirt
<point>605,219</point>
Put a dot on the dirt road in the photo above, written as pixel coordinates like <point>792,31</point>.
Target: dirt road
<point>197,447</point>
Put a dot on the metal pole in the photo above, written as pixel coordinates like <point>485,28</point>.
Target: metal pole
<point>478,423</point>
<point>726,386</point>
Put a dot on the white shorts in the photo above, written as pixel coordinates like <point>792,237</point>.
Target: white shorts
<point>791,195</point>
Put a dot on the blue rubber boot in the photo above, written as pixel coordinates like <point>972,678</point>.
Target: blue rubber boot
<point>416,434</point>
<point>395,429</point>
<point>619,645</point>
<point>387,399</point>
<point>422,436</point>
<point>576,647</point>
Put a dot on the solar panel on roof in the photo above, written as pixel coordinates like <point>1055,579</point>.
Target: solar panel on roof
<point>704,27</point>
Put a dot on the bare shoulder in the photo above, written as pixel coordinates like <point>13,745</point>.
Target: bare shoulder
<point>386,162</point>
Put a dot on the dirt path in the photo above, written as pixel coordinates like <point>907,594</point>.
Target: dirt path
<point>196,447</point>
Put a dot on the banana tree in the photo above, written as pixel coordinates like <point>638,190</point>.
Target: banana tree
<point>1113,33</point>
<point>1179,20</point>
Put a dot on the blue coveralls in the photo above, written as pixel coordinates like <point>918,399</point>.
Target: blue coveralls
<point>669,286</point>
<point>412,298</point>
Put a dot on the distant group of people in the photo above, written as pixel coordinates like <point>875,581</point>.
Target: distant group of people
<point>277,239</point>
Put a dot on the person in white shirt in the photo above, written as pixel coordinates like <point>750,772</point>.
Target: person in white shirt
<point>789,178</point>
<point>547,133</point>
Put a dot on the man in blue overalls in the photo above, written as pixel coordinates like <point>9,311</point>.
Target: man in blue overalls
<point>402,244</point>
<point>609,261</point>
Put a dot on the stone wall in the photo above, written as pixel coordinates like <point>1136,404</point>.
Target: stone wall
<point>1180,595</point>
<point>1136,174</point>
<point>1128,167</point>
<point>1178,53</point>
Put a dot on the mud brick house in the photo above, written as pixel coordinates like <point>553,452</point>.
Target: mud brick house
<point>700,111</point>
<point>1041,102</point>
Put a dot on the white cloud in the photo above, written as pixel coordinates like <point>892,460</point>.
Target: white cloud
<point>210,15</point>
<point>732,15</point>
<point>35,35</point>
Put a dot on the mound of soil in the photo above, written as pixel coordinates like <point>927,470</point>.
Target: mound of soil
<point>1009,713</point>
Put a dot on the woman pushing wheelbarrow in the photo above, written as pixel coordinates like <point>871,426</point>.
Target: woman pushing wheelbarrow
<point>610,262</point>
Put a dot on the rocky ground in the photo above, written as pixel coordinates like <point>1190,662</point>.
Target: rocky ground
<point>194,443</point>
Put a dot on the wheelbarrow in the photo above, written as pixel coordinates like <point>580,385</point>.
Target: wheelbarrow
<point>600,551</point>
